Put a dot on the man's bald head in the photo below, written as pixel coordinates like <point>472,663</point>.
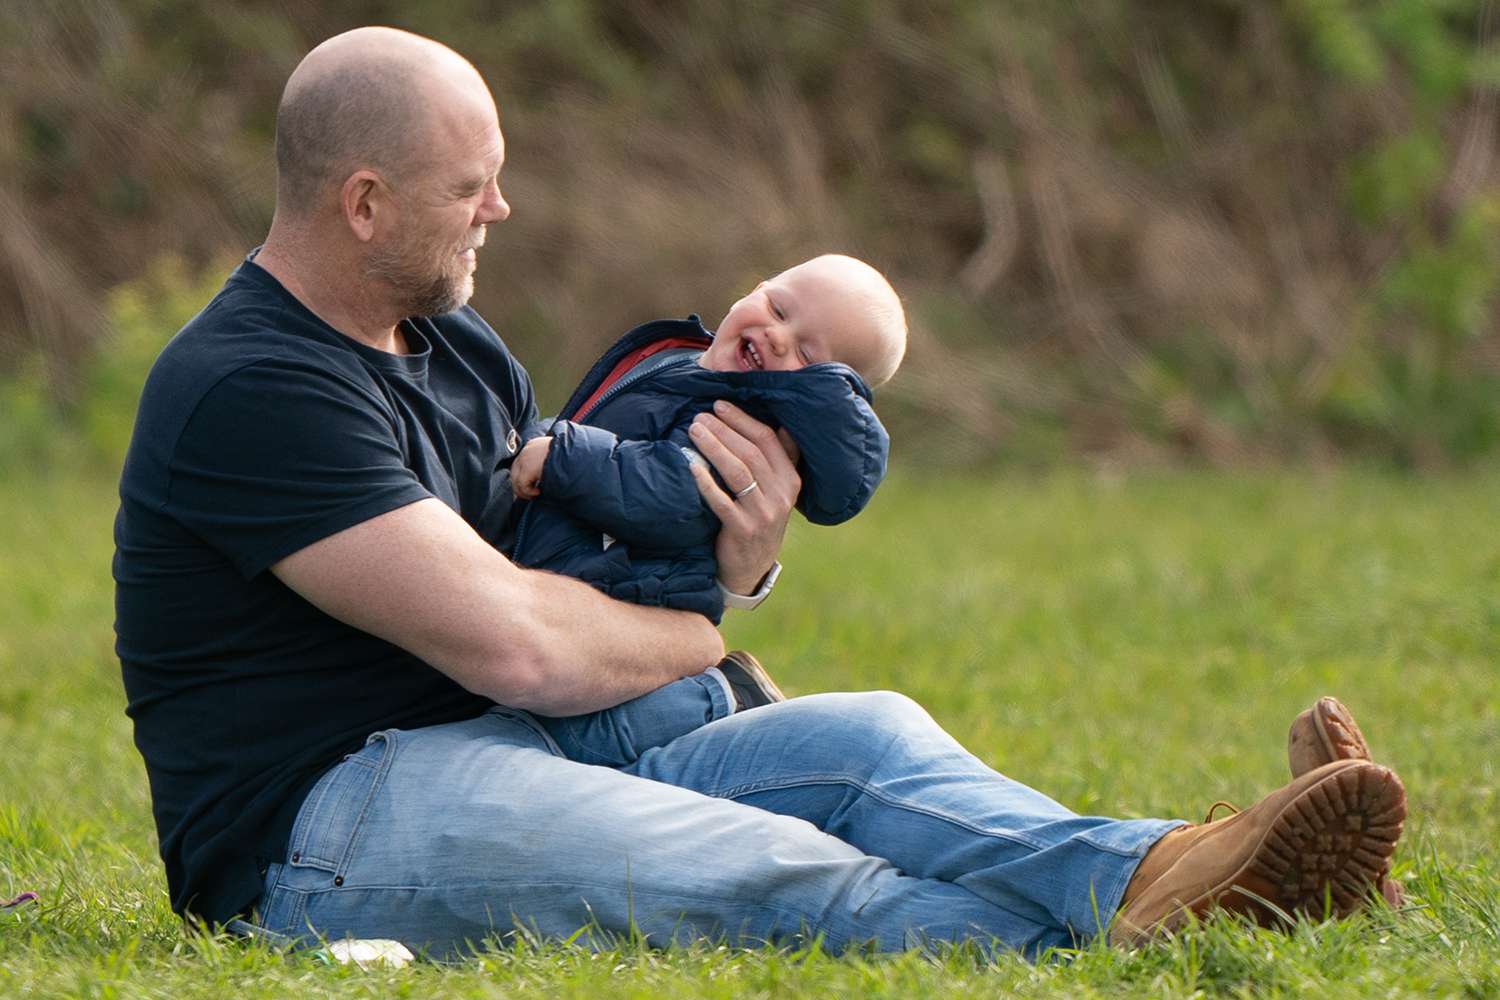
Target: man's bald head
<point>364,99</point>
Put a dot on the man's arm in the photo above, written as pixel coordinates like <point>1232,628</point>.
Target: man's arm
<point>421,578</point>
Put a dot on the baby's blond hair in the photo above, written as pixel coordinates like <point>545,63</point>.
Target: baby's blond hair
<point>874,296</point>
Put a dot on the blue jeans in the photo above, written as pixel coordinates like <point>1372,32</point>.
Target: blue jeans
<point>852,816</point>
<point>617,736</point>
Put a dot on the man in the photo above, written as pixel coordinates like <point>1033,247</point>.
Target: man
<point>330,663</point>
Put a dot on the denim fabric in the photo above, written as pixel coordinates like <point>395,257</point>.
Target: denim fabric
<point>853,816</point>
<point>617,736</point>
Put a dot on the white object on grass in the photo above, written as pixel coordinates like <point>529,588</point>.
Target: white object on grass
<point>370,951</point>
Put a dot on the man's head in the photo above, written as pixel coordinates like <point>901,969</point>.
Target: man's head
<point>388,152</point>
<point>830,308</point>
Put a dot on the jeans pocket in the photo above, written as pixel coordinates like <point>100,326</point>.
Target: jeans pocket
<point>328,824</point>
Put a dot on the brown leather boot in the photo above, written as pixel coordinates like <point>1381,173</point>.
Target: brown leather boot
<point>1329,832</point>
<point>1324,733</point>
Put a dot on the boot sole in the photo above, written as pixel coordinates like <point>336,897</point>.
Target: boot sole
<point>1324,854</point>
<point>1323,734</point>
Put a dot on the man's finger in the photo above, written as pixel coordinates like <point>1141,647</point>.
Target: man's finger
<point>761,437</point>
<point>721,503</point>
<point>741,462</point>
<point>733,456</point>
<point>746,452</point>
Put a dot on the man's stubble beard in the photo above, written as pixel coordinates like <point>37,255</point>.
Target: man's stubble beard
<point>424,280</point>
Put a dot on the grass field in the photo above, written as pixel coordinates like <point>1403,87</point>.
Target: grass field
<point>1133,646</point>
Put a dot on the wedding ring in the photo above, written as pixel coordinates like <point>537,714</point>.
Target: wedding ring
<point>747,490</point>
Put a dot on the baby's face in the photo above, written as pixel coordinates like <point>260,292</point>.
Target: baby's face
<point>801,316</point>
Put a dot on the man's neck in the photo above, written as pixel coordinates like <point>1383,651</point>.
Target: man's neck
<point>332,291</point>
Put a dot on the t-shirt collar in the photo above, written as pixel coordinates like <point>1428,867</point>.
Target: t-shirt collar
<point>412,363</point>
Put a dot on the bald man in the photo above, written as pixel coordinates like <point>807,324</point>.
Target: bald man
<point>331,663</point>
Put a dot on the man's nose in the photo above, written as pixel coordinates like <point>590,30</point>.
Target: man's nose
<point>494,208</point>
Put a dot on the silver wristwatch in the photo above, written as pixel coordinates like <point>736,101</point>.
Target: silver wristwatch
<point>748,602</point>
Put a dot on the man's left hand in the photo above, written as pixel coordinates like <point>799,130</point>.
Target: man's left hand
<point>760,466</point>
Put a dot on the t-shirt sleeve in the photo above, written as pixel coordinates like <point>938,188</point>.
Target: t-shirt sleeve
<point>278,455</point>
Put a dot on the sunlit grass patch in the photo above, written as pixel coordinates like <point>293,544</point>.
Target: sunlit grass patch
<point>1131,647</point>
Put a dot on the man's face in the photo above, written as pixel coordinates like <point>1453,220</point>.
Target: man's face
<point>427,258</point>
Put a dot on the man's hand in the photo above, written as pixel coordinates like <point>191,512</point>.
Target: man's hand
<point>760,466</point>
<point>526,469</point>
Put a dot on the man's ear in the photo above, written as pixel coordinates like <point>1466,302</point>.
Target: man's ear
<point>363,197</point>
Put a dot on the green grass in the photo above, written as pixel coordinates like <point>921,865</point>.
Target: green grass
<point>1132,646</point>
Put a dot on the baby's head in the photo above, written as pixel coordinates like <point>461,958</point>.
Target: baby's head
<point>830,308</point>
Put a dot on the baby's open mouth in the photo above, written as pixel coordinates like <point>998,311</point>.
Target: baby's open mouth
<point>750,356</point>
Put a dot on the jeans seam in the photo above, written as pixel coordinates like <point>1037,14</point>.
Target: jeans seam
<point>865,789</point>
<point>309,811</point>
<point>381,769</point>
<point>528,720</point>
<point>286,898</point>
<point>1139,851</point>
<point>304,896</point>
<point>719,700</point>
<point>306,811</point>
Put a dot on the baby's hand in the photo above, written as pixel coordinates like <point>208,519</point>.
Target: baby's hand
<point>526,470</point>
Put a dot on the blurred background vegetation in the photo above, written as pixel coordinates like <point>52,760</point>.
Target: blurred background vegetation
<point>1221,231</point>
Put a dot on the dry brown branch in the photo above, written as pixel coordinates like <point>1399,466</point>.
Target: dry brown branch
<point>988,263</point>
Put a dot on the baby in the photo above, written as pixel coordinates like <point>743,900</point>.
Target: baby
<point>615,502</point>
<point>830,308</point>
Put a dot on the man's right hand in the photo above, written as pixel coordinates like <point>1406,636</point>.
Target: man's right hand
<point>745,452</point>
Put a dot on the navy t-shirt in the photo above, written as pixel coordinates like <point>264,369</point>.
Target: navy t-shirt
<point>261,430</point>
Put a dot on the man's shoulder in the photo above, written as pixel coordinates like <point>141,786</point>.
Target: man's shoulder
<point>243,328</point>
<point>245,323</point>
<point>250,321</point>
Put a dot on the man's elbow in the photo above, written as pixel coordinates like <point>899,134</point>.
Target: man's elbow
<point>529,665</point>
<point>517,674</point>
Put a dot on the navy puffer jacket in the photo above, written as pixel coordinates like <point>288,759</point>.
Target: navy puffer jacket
<point>619,507</point>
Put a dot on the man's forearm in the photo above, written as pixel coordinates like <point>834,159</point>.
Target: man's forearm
<point>592,652</point>
<point>419,577</point>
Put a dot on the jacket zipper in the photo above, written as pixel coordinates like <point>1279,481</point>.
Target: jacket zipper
<point>641,371</point>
